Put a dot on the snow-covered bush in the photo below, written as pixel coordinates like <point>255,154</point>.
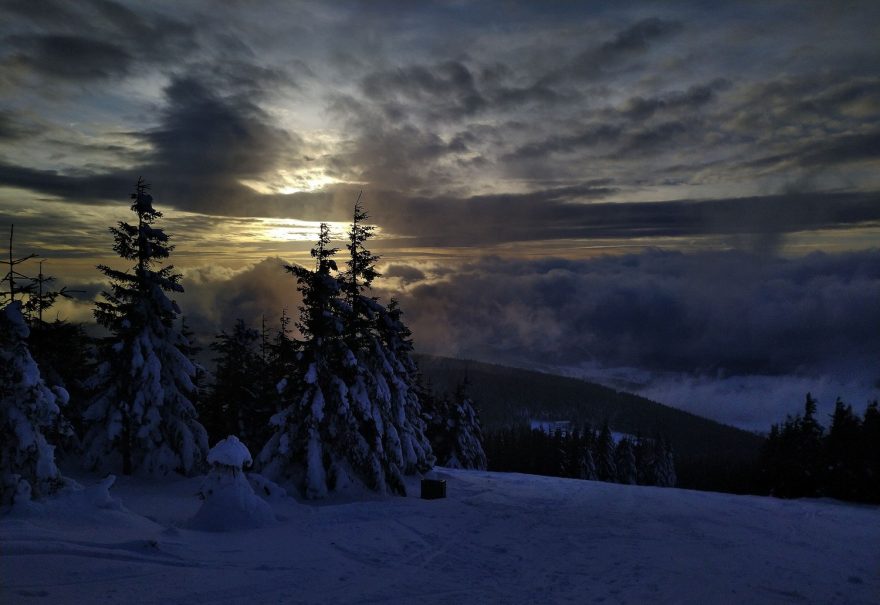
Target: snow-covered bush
<point>27,409</point>
<point>230,501</point>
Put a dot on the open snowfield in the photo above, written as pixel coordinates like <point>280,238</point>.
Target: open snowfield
<point>498,538</point>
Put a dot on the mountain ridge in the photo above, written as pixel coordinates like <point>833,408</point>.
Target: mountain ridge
<point>709,454</point>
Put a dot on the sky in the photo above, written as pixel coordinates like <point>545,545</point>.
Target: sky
<point>682,199</point>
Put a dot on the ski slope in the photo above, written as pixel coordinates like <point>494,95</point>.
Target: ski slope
<point>497,538</point>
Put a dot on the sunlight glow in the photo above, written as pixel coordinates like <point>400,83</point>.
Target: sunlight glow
<point>286,230</point>
<point>308,182</point>
<point>286,182</point>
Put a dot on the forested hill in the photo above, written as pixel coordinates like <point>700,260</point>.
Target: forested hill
<point>709,455</point>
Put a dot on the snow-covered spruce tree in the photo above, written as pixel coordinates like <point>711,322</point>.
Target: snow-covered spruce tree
<point>27,409</point>
<point>456,433</point>
<point>402,376</point>
<point>384,385</point>
<point>314,394</point>
<point>142,417</point>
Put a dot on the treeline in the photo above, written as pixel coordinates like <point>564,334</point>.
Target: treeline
<point>802,459</point>
<point>582,454</point>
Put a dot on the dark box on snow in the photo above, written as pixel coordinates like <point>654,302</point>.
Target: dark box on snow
<point>433,489</point>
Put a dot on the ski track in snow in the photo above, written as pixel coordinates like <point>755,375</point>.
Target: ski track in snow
<point>497,538</point>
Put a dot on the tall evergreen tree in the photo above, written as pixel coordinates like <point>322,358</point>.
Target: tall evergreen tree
<point>811,454</point>
<point>870,452</point>
<point>625,461</point>
<point>606,469</point>
<point>844,462</point>
<point>235,398</point>
<point>574,455</point>
<point>455,432</point>
<point>590,472</point>
<point>315,395</point>
<point>142,417</point>
<point>28,408</point>
<point>664,464</point>
<point>358,278</point>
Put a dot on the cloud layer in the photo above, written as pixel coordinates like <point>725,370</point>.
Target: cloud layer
<point>710,313</point>
<point>732,335</point>
<point>532,122</point>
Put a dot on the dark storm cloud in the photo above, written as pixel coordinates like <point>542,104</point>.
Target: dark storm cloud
<point>641,126</point>
<point>70,57</point>
<point>118,37</point>
<point>592,136</point>
<point>631,42</point>
<point>553,214</point>
<point>828,151</point>
<point>445,89</point>
<point>79,187</point>
<point>204,145</point>
<point>730,312</point>
<point>695,97</point>
<point>13,126</point>
<point>454,91</point>
<point>557,213</point>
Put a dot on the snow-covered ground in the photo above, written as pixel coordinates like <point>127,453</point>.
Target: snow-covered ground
<point>497,538</point>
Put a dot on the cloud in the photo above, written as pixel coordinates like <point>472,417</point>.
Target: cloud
<point>443,90</point>
<point>567,213</point>
<point>206,144</point>
<point>627,44</point>
<point>593,135</point>
<point>214,300</point>
<point>728,313</point>
<point>405,273</point>
<point>694,98</point>
<point>13,127</point>
<point>118,39</point>
<point>755,402</point>
<point>829,151</point>
<point>70,57</point>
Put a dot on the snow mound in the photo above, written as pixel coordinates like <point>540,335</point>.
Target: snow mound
<point>230,452</point>
<point>74,499</point>
<point>231,504</point>
<point>230,501</point>
<point>75,505</point>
